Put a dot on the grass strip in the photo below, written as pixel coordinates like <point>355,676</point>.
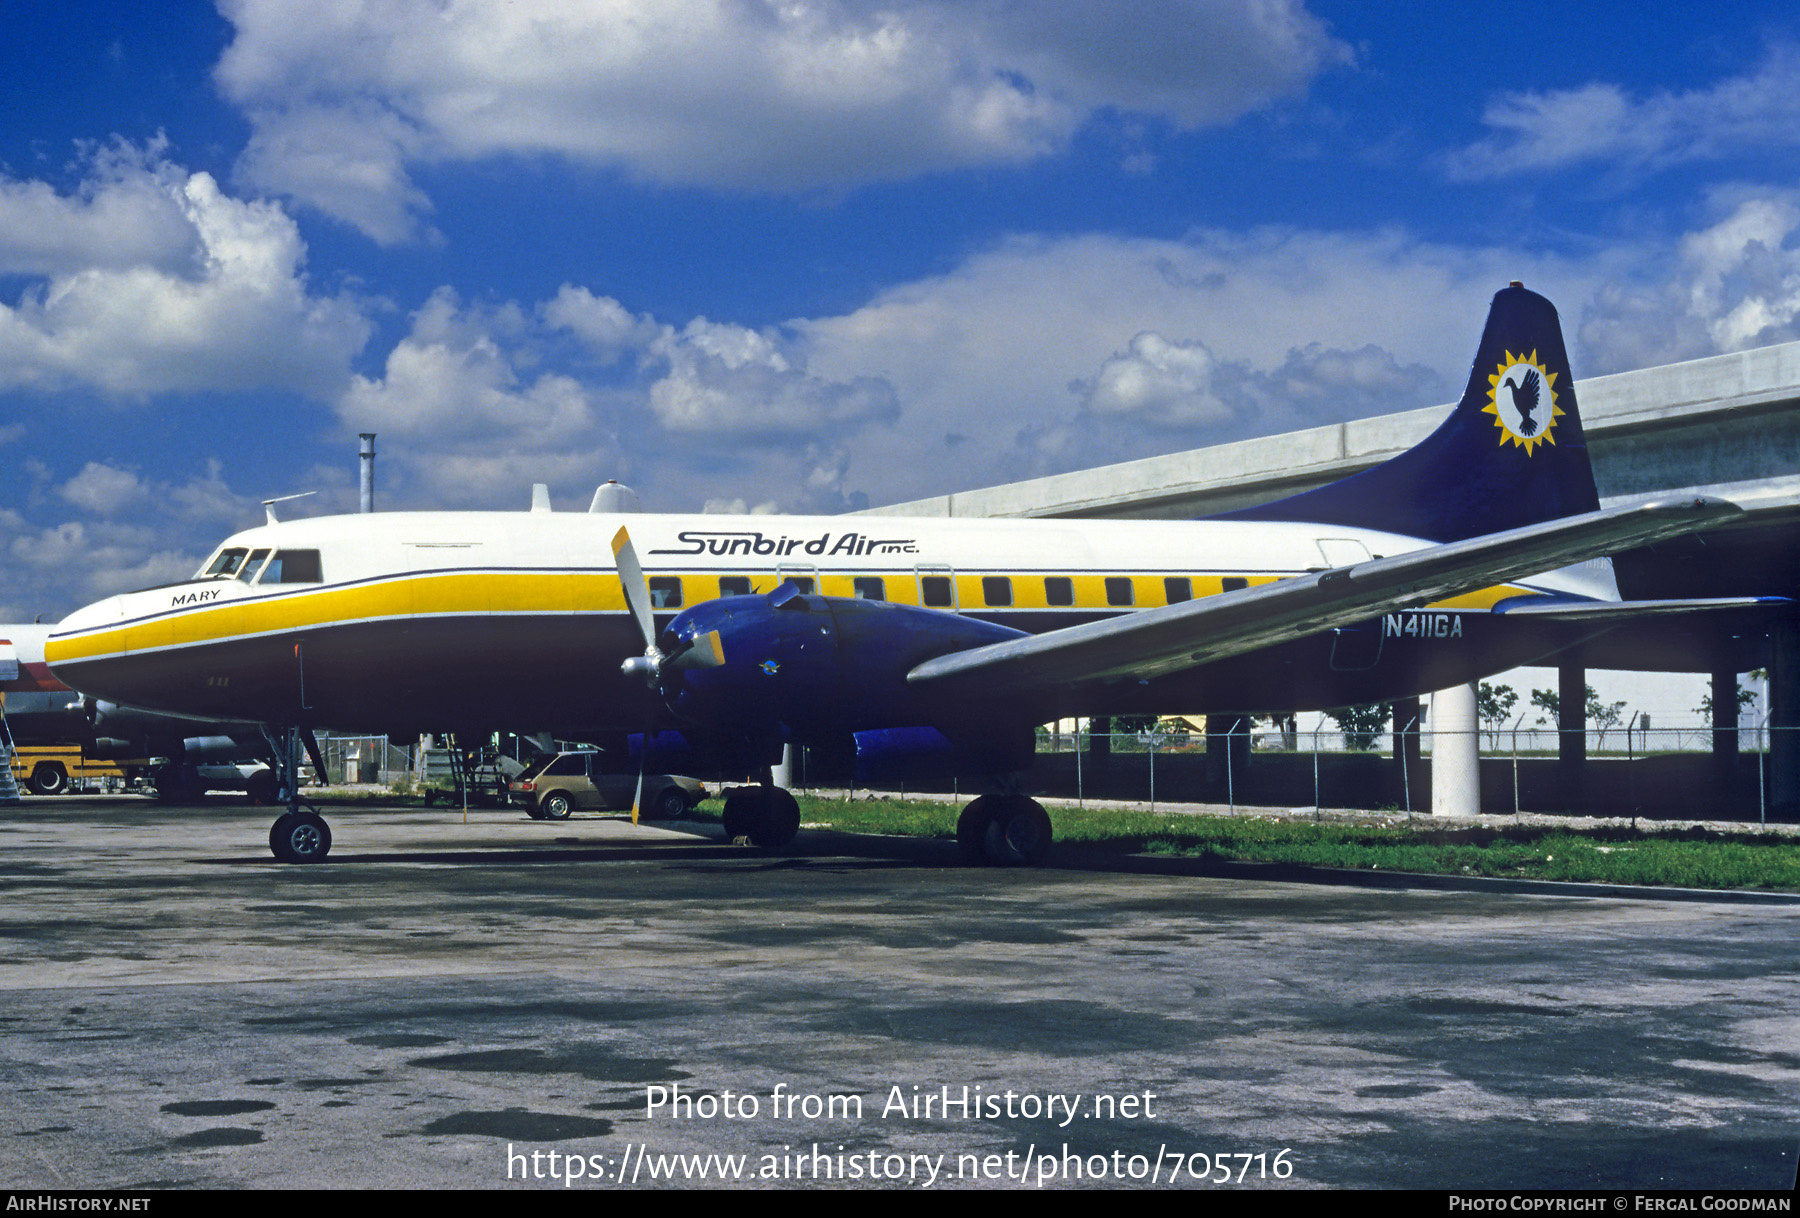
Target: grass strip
<point>1683,858</point>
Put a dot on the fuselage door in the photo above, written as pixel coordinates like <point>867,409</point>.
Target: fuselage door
<point>1356,648</point>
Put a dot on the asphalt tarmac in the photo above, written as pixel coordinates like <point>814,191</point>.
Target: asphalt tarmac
<point>512,1003</point>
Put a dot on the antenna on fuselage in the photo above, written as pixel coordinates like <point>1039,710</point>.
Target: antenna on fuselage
<point>269,504</point>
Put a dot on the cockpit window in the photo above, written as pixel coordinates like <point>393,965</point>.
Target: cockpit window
<point>225,565</point>
<point>252,565</point>
<point>293,567</point>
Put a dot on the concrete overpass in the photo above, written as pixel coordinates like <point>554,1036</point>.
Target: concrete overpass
<point>1727,425</point>
<point>1724,420</point>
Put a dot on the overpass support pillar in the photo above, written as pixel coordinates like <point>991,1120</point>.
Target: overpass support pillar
<point>1571,735</point>
<point>1784,719</point>
<point>1455,753</point>
<point>1725,734</point>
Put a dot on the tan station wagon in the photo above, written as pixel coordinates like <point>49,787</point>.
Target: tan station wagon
<point>552,787</point>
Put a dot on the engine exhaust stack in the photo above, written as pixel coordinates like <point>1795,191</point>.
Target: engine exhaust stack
<point>368,472</point>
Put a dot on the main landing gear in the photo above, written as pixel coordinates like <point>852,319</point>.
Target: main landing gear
<point>299,835</point>
<point>766,815</point>
<point>1004,831</point>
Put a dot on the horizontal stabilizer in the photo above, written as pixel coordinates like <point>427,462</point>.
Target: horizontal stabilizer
<point>1156,642</point>
<point>1630,611</point>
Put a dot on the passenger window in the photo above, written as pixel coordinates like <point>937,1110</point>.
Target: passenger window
<point>1118,590</point>
<point>1178,588</point>
<point>996,590</point>
<point>734,585</point>
<point>252,565</point>
<point>665,592</point>
<point>568,766</point>
<point>803,582</point>
<point>1231,583</point>
<point>225,565</point>
<point>293,567</point>
<point>1059,590</point>
<point>869,588</point>
<point>935,591</point>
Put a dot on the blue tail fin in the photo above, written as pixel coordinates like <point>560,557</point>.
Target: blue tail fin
<point>1511,454</point>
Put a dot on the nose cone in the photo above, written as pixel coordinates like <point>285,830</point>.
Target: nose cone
<point>83,646</point>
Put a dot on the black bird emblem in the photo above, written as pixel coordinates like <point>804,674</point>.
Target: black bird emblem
<point>1525,400</point>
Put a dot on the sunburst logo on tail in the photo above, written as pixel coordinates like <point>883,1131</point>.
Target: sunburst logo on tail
<point>1522,399</point>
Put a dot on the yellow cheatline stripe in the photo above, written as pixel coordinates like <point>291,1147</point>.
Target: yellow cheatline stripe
<point>1487,598</point>
<point>448,593</point>
<point>508,592</point>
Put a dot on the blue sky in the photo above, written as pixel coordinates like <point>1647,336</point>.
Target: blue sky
<point>803,256</point>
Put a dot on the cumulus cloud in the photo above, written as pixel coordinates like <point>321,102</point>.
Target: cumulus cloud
<point>607,330</point>
<point>149,279</point>
<point>1178,394</point>
<point>1158,382</point>
<point>1732,284</point>
<point>123,213</point>
<point>103,489</point>
<point>490,399</point>
<point>1130,347</point>
<point>450,379</point>
<point>740,383</point>
<point>1601,122</point>
<point>765,95</point>
<point>76,562</point>
<point>134,532</point>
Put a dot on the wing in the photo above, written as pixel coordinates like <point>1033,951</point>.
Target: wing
<point>1156,642</point>
<point>1531,387</point>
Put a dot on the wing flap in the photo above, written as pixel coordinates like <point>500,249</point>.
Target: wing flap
<point>1155,642</point>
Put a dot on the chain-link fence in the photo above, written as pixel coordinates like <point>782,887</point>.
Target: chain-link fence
<point>365,759</point>
<point>1688,771</point>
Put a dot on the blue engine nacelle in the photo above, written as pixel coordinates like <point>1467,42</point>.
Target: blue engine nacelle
<point>822,669</point>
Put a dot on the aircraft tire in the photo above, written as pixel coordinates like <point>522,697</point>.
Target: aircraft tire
<point>777,820</point>
<point>972,827</point>
<point>671,804</point>
<point>300,837</point>
<point>555,806</point>
<point>739,813</point>
<point>1019,834</point>
<point>49,778</point>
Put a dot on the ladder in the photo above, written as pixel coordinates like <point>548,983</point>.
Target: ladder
<point>9,786</point>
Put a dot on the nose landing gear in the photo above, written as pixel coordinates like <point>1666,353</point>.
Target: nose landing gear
<point>298,835</point>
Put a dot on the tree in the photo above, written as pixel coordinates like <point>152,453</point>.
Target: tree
<point>1746,698</point>
<point>1547,701</point>
<point>1601,715</point>
<point>1361,725</point>
<point>1493,705</point>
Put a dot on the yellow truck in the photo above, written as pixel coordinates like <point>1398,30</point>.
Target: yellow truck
<point>54,770</point>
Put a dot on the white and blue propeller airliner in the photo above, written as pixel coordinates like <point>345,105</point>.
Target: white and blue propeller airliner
<point>922,645</point>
